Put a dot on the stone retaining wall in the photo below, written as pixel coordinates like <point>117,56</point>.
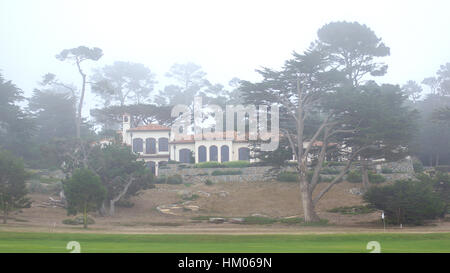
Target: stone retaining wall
<point>401,170</point>
<point>196,175</point>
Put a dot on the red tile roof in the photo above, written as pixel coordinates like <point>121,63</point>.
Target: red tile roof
<point>320,144</point>
<point>150,127</point>
<point>180,141</point>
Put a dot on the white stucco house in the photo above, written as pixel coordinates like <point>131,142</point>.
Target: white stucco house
<point>156,146</point>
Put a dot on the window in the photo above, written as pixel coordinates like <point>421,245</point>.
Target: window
<point>224,153</point>
<point>185,156</point>
<point>163,144</point>
<point>213,153</point>
<point>201,154</point>
<point>138,145</point>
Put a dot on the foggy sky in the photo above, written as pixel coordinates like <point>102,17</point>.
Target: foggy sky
<point>227,38</point>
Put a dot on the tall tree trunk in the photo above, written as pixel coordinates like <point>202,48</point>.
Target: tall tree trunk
<point>102,209</point>
<point>112,207</point>
<point>308,206</point>
<point>365,174</point>
<point>437,159</point>
<point>80,104</point>
<point>5,212</point>
<point>113,201</point>
<point>85,216</point>
<point>305,193</point>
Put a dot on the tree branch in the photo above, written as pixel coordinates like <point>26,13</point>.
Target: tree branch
<point>316,135</point>
<point>341,174</point>
<point>291,143</point>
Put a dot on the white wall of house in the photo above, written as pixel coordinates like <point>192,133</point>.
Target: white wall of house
<point>126,123</point>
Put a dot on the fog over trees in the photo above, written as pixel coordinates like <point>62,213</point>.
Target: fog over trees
<point>328,92</point>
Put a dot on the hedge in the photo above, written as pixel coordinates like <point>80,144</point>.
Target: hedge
<point>228,164</point>
<point>356,177</point>
<point>226,172</point>
<point>443,168</point>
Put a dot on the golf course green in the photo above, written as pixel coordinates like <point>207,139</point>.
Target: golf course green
<point>15,242</point>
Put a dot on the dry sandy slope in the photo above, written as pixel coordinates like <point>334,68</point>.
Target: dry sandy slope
<point>274,199</point>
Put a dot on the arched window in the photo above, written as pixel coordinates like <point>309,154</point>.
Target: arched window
<point>201,154</point>
<point>244,154</point>
<point>163,144</point>
<point>152,166</point>
<point>213,156</point>
<point>185,156</point>
<point>224,153</point>
<point>150,146</point>
<point>138,145</point>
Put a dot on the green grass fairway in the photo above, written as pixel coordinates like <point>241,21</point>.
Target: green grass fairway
<point>12,242</point>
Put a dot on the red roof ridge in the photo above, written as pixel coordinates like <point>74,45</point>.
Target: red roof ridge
<point>150,127</point>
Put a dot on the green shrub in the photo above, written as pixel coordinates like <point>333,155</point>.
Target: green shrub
<point>293,177</point>
<point>287,177</point>
<point>329,171</point>
<point>191,198</point>
<point>125,203</point>
<point>78,221</point>
<point>328,179</point>
<point>174,179</point>
<point>210,164</point>
<point>387,170</point>
<point>228,164</point>
<point>418,166</point>
<point>258,220</point>
<point>406,202</point>
<point>354,210</point>
<point>48,180</point>
<point>236,164</point>
<point>55,187</point>
<point>443,168</point>
<point>310,175</point>
<point>226,172</point>
<point>375,178</point>
<point>441,185</point>
<point>208,182</point>
<point>293,220</point>
<point>160,179</point>
<point>320,223</point>
<point>334,163</point>
<point>35,186</point>
<point>354,177</point>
